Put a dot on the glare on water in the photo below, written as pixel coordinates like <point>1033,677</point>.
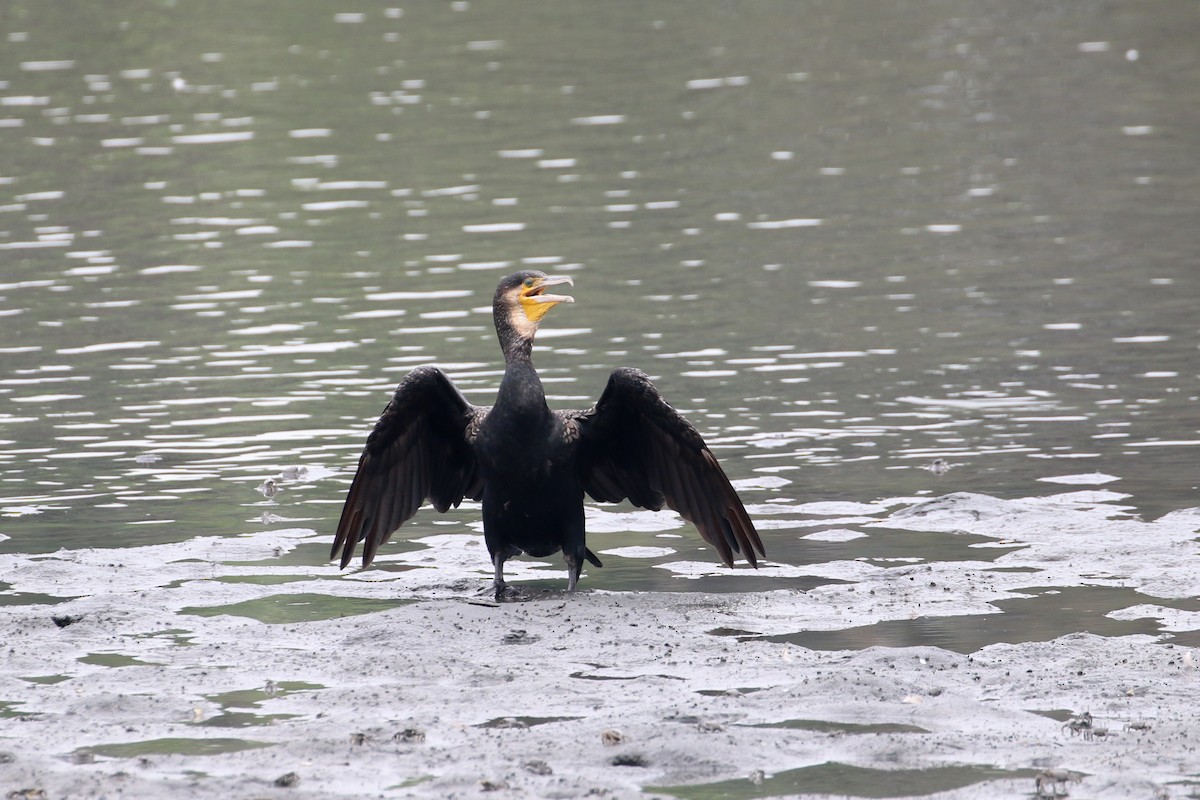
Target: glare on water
<point>862,262</point>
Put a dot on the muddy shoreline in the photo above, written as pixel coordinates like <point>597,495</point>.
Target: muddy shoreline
<point>181,671</point>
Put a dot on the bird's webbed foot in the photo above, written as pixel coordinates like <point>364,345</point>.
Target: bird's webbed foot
<point>503,594</point>
<point>510,594</point>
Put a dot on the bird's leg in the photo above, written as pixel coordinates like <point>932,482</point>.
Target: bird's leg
<point>574,567</point>
<point>498,579</point>
<point>574,556</point>
<point>503,590</point>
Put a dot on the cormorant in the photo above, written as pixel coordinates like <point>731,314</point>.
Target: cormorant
<point>531,466</point>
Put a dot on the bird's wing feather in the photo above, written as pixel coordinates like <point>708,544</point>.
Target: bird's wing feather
<point>633,444</point>
<point>421,449</point>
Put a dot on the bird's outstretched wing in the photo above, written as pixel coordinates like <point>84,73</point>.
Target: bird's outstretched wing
<point>632,444</point>
<point>421,449</point>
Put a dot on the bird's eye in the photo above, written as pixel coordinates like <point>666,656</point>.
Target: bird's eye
<point>528,282</point>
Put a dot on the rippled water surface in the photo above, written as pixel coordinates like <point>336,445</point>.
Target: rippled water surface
<point>931,248</point>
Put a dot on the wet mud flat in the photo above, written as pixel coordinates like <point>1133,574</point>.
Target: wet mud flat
<point>208,669</point>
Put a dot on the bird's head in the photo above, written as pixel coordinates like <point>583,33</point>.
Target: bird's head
<point>522,300</point>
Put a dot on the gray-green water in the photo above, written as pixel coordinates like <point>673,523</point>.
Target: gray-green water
<point>847,239</point>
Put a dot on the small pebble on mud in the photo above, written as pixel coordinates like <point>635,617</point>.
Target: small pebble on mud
<point>612,737</point>
<point>288,780</point>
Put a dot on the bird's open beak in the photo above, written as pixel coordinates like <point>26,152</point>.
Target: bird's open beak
<point>538,293</point>
<point>535,300</point>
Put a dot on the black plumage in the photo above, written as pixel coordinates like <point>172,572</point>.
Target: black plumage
<point>531,466</point>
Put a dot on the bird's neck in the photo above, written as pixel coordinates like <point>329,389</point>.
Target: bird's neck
<point>515,333</point>
<point>521,389</point>
<point>517,350</point>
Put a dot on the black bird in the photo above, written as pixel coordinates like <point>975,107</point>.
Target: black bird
<point>530,465</point>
